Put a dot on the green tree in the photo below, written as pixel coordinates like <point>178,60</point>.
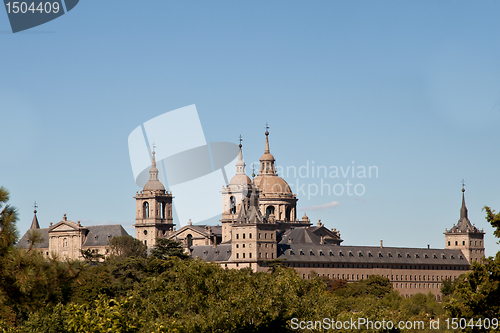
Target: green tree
<point>8,219</point>
<point>477,292</point>
<point>127,246</point>
<point>165,248</point>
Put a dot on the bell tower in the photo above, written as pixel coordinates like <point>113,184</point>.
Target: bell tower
<point>465,236</point>
<point>233,195</point>
<point>153,209</point>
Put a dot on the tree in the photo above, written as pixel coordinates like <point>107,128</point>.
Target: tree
<point>477,292</point>
<point>91,257</point>
<point>8,219</point>
<point>127,246</point>
<point>165,248</point>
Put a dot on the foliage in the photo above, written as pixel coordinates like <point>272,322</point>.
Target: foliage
<point>165,248</point>
<point>374,285</point>
<point>477,292</point>
<point>127,246</point>
<point>8,219</point>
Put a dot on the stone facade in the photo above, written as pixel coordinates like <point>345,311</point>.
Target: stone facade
<point>67,239</point>
<point>259,225</point>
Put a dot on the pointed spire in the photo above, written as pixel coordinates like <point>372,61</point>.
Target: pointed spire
<point>34,223</point>
<point>153,172</point>
<point>267,160</point>
<point>267,151</point>
<point>240,165</point>
<point>153,163</point>
<point>153,183</point>
<point>463,209</point>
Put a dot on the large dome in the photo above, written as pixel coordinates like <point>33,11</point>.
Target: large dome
<point>271,184</point>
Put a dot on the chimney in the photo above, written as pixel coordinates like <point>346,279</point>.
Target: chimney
<point>381,243</point>
<point>428,246</point>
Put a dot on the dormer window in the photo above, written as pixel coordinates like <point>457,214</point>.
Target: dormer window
<point>380,255</point>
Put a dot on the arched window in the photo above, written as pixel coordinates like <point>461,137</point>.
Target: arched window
<point>189,240</point>
<point>288,213</point>
<point>163,210</point>
<point>233,205</point>
<point>65,242</point>
<point>269,211</point>
<point>145,208</point>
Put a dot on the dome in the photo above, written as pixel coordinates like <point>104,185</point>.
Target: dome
<point>272,185</point>
<point>153,185</point>
<point>240,180</point>
<point>267,157</point>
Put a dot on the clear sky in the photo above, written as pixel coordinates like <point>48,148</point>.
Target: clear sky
<point>411,87</point>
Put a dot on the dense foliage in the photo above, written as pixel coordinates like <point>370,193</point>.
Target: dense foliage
<point>168,292</point>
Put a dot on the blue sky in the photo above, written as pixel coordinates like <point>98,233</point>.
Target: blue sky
<point>412,87</point>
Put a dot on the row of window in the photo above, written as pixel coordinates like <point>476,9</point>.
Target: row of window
<point>370,255</point>
<point>164,212</point>
<point>250,235</point>
<point>463,243</point>
<point>250,245</point>
<point>356,277</point>
<point>329,265</point>
<point>266,256</point>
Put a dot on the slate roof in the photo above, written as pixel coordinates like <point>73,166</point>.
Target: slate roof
<point>463,225</point>
<point>24,244</point>
<point>103,233</point>
<point>369,255</point>
<point>99,235</point>
<point>208,253</point>
<point>300,235</point>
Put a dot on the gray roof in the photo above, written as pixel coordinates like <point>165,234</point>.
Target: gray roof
<point>250,211</point>
<point>221,252</point>
<point>99,235</point>
<point>300,235</point>
<point>44,233</point>
<point>369,255</point>
<point>463,225</point>
<point>34,223</point>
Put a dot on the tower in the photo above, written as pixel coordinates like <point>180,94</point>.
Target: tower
<point>276,200</point>
<point>153,209</point>
<point>465,236</point>
<point>253,235</point>
<point>233,195</point>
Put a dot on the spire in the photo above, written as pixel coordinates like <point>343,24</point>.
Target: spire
<point>463,209</point>
<point>267,151</point>
<point>153,183</point>
<point>267,160</point>
<point>153,172</point>
<point>240,165</point>
<point>153,163</point>
<point>34,223</point>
